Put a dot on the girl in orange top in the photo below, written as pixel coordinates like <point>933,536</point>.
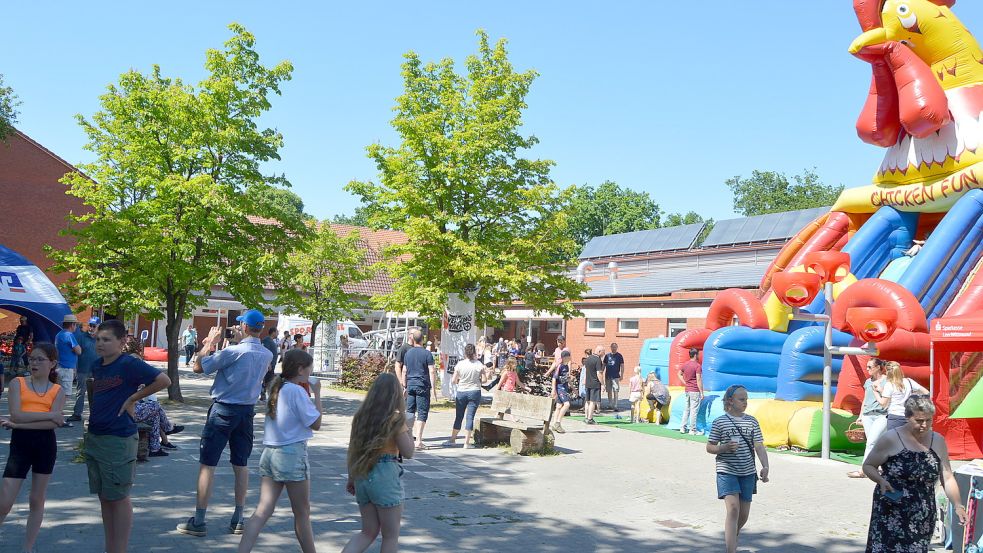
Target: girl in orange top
<point>36,403</point>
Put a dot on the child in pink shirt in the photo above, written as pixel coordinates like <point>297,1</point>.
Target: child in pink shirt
<point>635,394</point>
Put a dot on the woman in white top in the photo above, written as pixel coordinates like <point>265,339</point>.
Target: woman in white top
<point>291,418</point>
<point>468,377</point>
<point>895,392</point>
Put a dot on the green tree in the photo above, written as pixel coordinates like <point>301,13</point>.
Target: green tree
<point>610,209</point>
<point>360,218</point>
<point>324,268</point>
<point>175,180</point>
<point>8,109</point>
<point>477,213</point>
<point>771,192</point>
<point>284,200</point>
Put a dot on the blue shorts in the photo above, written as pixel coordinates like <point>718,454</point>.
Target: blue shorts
<point>285,463</point>
<point>227,424</point>
<point>382,487</point>
<point>729,484</point>
<point>418,402</point>
<point>562,395</point>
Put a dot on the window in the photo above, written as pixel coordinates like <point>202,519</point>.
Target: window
<point>554,326</point>
<point>595,325</point>
<point>676,326</point>
<point>628,326</point>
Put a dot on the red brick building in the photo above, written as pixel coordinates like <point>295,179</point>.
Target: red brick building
<point>657,283</point>
<point>35,205</point>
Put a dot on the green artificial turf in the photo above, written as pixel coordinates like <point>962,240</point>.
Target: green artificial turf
<point>663,432</point>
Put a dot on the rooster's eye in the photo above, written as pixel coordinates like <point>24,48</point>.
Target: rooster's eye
<point>903,10</point>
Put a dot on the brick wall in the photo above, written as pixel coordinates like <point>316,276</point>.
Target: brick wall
<point>34,203</point>
<point>629,344</point>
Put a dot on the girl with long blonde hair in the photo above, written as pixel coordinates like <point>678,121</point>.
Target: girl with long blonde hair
<point>378,442</point>
<point>893,394</point>
<point>291,418</point>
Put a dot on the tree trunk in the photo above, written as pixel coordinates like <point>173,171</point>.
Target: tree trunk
<point>314,325</point>
<point>173,329</point>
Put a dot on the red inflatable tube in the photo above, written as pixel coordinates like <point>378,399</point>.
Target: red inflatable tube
<point>679,350</point>
<point>820,235</point>
<point>740,303</point>
<point>874,292</point>
<point>878,122</point>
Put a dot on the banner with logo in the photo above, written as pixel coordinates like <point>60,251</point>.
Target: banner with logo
<point>457,329</point>
<point>25,290</point>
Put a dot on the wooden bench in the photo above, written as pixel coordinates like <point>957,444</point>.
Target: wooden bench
<point>531,433</point>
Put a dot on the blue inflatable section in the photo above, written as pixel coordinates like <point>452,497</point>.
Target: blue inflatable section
<point>882,239</point>
<point>949,256</point>
<point>711,407</point>
<point>742,355</point>
<point>25,290</point>
<point>896,269</point>
<point>800,376</point>
<point>654,357</point>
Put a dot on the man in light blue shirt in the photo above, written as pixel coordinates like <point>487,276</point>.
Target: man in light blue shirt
<point>68,352</point>
<point>239,372</point>
<point>87,341</point>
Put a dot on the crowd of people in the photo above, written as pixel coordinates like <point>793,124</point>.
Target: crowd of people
<point>904,457</point>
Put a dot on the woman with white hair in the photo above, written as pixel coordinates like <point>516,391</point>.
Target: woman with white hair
<point>906,463</point>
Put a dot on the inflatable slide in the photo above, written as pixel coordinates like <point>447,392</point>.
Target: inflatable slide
<point>914,238</point>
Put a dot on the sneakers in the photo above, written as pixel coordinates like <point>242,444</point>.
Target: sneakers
<point>74,418</point>
<point>177,428</point>
<point>158,453</point>
<point>192,529</point>
<point>590,421</point>
<point>168,445</point>
<point>237,527</point>
<point>558,428</point>
<point>696,433</point>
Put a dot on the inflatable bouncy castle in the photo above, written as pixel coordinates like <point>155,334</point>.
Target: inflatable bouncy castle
<point>914,238</point>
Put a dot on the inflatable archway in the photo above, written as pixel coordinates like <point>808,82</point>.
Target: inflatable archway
<point>25,290</point>
<point>914,235</point>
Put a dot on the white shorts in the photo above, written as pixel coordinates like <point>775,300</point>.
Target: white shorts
<point>634,396</point>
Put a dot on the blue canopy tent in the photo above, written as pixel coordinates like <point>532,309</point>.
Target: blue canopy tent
<point>25,290</point>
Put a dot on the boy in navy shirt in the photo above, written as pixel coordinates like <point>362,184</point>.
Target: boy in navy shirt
<point>111,439</point>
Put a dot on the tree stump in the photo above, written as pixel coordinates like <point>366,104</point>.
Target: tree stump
<point>488,434</point>
<point>526,441</point>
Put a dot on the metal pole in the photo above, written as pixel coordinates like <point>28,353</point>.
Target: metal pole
<point>827,371</point>
<point>931,371</point>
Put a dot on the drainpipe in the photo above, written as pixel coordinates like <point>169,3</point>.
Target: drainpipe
<point>613,276</point>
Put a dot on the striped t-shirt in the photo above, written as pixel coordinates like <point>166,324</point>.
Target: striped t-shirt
<point>725,429</point>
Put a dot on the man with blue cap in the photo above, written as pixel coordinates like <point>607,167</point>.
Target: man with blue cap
<point>87,341</point>
<point>239,371</point>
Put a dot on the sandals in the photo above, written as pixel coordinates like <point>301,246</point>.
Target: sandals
<point>856,474</point>
<point>422,447</point>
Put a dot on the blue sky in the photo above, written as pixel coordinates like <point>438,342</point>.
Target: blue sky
<point>669,98</point>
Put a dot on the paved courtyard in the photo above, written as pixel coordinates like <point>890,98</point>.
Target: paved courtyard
<point>609,490</point>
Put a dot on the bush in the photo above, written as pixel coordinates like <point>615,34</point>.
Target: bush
<point>360,372</point>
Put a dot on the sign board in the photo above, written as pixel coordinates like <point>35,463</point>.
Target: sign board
<point>956,329</point>
<point>458,329</point>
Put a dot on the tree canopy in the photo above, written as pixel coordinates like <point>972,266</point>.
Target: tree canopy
<point>8,109</point>
<point>282,199</point>
<point>610,209</point>
<point>770,192</point>
<point>478,213</point>
<point>321,268</point>
<point>172,191</point>
<point>360,218</point>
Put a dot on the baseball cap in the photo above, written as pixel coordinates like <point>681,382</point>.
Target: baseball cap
<point>94,321</point>
<point>253,318</point>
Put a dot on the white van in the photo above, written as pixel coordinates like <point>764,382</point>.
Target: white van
<point>343,329</point>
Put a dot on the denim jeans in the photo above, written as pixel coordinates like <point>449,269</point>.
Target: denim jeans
<point>79,391</point>
<point>189,352</point>
<point>874,426</point>
<point>466,404</point>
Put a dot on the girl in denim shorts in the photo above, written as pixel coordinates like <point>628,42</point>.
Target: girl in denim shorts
<point>735,438</point>
<point>378,440</point>
<point>291,417</point>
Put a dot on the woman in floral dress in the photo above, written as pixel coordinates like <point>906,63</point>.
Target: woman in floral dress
<point>906,463</point>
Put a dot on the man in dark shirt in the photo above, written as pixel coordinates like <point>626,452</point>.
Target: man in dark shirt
<point>270,343</point>
<point>418,378</point>
<point>398,366</point>
<point>614,371</point>
<point>592,383</point>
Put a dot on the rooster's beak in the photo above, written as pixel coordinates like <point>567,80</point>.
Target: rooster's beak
<point>869,38</point>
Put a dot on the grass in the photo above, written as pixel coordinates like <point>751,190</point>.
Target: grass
<point>852,458</point>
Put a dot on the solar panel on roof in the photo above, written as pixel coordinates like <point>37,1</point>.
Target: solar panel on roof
<point>643,241</point>
<point>761,228</point>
